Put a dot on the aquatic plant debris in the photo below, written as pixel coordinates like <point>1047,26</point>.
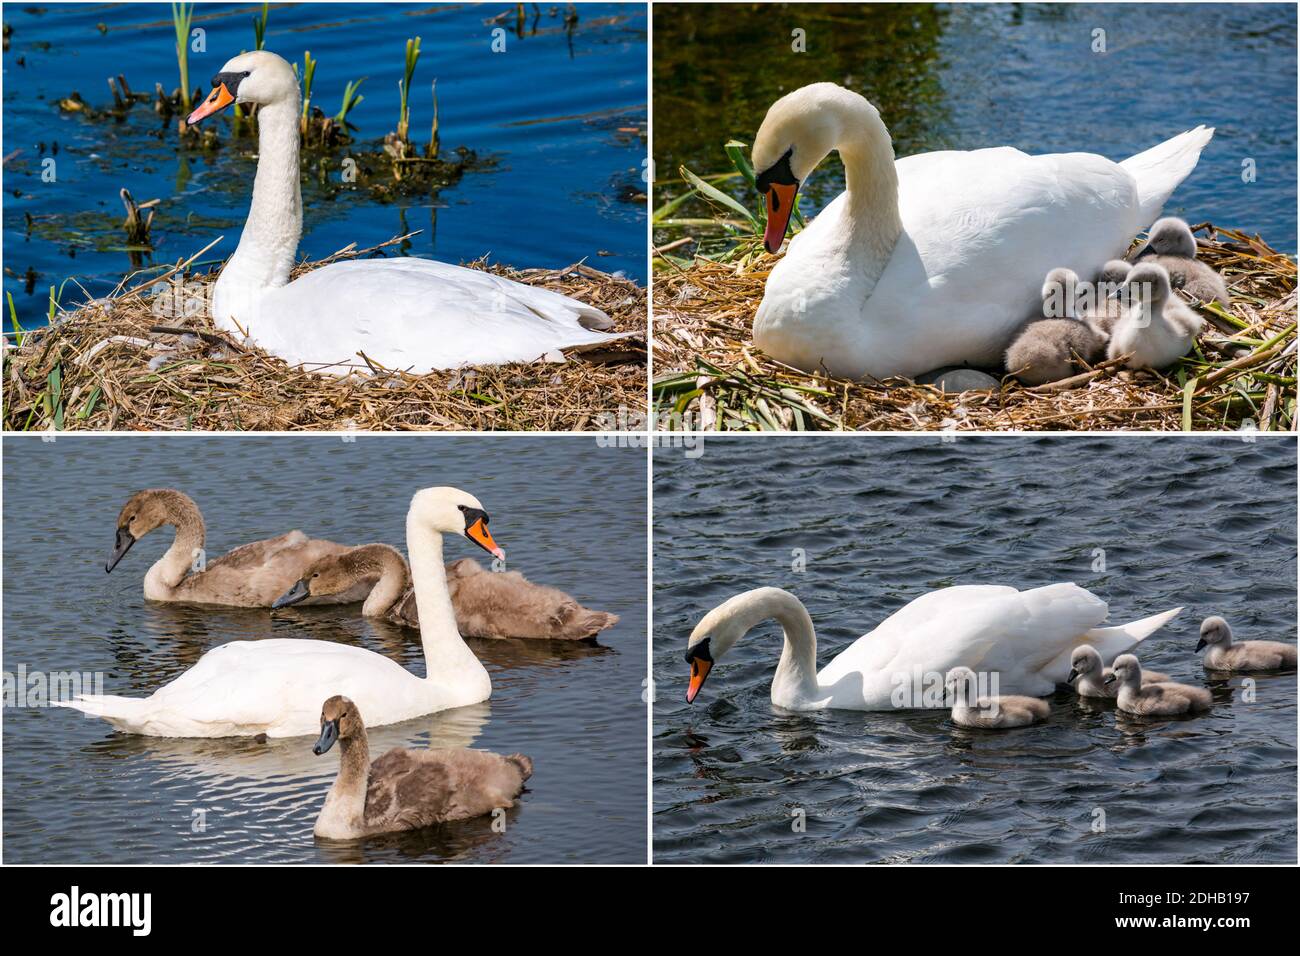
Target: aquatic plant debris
<point>1241,375</point>
<point>114,364</point>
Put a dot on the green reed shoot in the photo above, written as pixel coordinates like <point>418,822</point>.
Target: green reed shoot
<point>308,74</point>
<point>433,133</point>
<point>182,15</point>
<point>259,28</point>
<point>404,88</point>
<point>350,100</point>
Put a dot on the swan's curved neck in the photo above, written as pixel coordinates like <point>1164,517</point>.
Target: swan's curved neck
<point>874,222</point>
<point>183,555</point>
<point>269,242</point>
<point>393,579</point>
<point>795,681</point>
<point>447,659</point>
<point>345,804</point>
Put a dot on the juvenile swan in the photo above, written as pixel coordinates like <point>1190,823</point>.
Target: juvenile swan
<point>1088,674</point>
<point>968,710</point>
<point>1224,655</point>
<point>253,575</point>
<point>1157,328</point>
<point>407,789</point>
<point>1050,349</point>
<point>1170,243</point>
<point>487,604</point>
<point>274,687</point>
<point>1154,700</point>
<point>1026,637</point>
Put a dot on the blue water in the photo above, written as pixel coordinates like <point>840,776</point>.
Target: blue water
<point>553,111</point>
<point>1207,524</point>
<point>966,76</point>
<point>77,791</point>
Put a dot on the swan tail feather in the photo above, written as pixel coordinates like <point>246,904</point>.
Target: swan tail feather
<point>121,712</point>
<point>525,765</point>
<point>1109,642</point>
<point>1159,170</point>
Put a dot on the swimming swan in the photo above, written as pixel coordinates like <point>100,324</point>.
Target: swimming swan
<point>252,575</point>
<point>1225,655</point>
<point>275,687</point>
<point>1088,675</point>
<point>404,313</point>
<point>1006,710</point>
<point>1027,637</point>
<point>487,604</point>
<point>1154,700</point>
<point>407,789</point>
<point>933,259</point>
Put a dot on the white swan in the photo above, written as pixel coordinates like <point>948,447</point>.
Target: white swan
<point>405,313</point>
<point>934,259</point>
<point>1026,637</point>
<point>275,687</point>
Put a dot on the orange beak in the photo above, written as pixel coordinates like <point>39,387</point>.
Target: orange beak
<point>780,206</point>
<point>479,534</point>
<point>699,672</point>
<point>217,100</point>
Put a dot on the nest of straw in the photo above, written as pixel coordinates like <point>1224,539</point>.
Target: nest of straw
<point>1242,373</point>
<point>112,364</point>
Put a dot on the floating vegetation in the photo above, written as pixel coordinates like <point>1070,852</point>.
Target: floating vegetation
<point>1241,374</point>
<point>124,363</point>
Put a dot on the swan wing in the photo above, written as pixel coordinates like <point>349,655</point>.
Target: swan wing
<point>420,315</point>
<point>988,628</point>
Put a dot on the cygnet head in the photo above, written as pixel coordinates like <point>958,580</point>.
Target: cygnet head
<point>1114,272</point>
<point>339,720</point>
<point>797,133</point>
<point>336,573</point>
<point>1214,630</point>
<point>960,684</point>
<point>1170,236</point>
<point>258,77</point>
<point>143,512</point>
<point>1147,283</point>
<point>452,511</point>
<point>1084,660</point>
<point>1060,294</point>
<point>1126,670</point>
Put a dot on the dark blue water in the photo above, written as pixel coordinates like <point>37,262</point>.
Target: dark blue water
<point>966,76</point>
<point>553,110</point>
<point>1208,524</point>
<point>76,791</point>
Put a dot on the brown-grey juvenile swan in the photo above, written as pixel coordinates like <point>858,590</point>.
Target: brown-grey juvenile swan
<point>407,789</point>
<point>487,604</point>
<point>1170,243</point>
<point>1156,328</point>
<point>405,313</point>
<point>933,259</point>
<point>252,575</point>
<point>274,687</point>
<point>1026,637</point>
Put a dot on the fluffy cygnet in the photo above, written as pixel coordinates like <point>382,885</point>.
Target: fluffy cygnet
<point>1049,348</point>
<point>989,712</point>
<point>1154,700</point>
<point>1088,675</point>
<point>1157,328</point>
<point>1171,244</point>
<point>1224,655</point>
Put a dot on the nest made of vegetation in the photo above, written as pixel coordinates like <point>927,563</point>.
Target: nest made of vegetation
<point>112,364</point>
<point>1242,373</point>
